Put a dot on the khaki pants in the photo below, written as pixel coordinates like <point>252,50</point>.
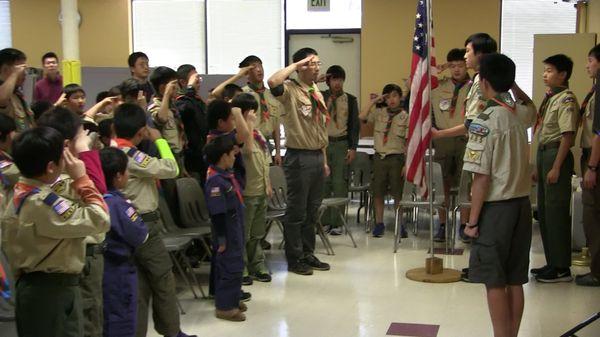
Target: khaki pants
<point>591,223</point>
<point>91,293</point>
<point>255,213</point>
<point>336,185</point>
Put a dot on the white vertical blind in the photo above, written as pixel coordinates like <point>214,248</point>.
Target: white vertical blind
<point>170,32</point>
<point>521,19</point>
<point>5,29</point>
<point>238,28</point>
<point>343,14</point>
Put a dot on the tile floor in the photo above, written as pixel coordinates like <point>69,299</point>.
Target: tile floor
<point>366,291</point>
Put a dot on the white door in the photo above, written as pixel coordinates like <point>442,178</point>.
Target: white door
<point>340,49</point>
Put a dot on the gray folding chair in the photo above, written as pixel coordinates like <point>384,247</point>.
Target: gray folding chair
<point>335,205</point>
<point>409,201</point>
<point>361,170</point>
<point>277,204</point>
<point>193,212</point>
<point>463,200</point>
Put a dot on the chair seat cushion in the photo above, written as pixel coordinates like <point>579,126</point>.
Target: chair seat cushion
<point>330,202</point>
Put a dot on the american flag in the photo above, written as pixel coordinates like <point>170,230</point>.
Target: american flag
<point>419,128</point>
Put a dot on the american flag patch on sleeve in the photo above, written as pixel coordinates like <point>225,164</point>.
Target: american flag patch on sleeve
<point>131,213</point>
<point>141,158</point>
<point>215,192</point>
<point>64,208</point>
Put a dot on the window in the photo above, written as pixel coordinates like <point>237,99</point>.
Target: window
<point>170,32</point>
<point>521,19</point>
<point>5,32</point>
<point>238,28</point>
<point>343,14</point>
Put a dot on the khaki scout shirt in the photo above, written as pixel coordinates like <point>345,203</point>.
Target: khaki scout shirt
<point>442,102</point>
<point>50,238</point>
<point>302,129</point>
<point>498,147</point>
<point>587,134</point>
<point>396,143</point>
<point>257,162</point>
<point>474,103</point>
<point>338,126</point>
<point>10,176</point>
<point>560,115</point>
<point>144,170</point>
<point>266,126</point>
<point>17,109</point>
<point>169,129</point>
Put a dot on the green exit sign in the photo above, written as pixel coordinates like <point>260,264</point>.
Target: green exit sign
<point>318,5</point>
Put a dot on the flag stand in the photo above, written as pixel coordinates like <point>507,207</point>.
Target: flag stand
<point>434,271</point>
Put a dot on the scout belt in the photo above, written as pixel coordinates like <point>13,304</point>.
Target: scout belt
<point>338,138</point>
<point>150,216</point>
<point>94,249</point>
<point>42,278</point>
<point>553,145</point>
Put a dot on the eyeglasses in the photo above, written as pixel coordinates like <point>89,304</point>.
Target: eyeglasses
<point>318,63</point>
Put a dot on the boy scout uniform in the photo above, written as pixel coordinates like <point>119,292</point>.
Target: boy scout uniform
<point>268,113</point>
<point>9,175</point>
<point>448,101</point>
<point>257,161</point>
<point>223,197</point>
<point>343,132</point>
<point>18,109</point>
<point>304,119</point>
<point>155,278</point>
<point>496,148</point>
<point>390,132</point>
<point>44,243</point>
<point>559,114</point>
<point>587,134</point>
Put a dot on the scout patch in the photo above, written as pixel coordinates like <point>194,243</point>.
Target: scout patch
<point>63,207</point>
<point>568,99</point>
<point>479,130</point>
<point>445,104</point>
<point>215,192</point>
<point>473,156</point>
<point>141,158</point>
<point>59,186</point>
<point>131,214</point>
<point>306,110</point>
<point>4,164</point>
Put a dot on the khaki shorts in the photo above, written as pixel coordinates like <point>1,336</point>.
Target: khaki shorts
<point>449,152</point>
<point>500,255</point>
<point>387,176</point>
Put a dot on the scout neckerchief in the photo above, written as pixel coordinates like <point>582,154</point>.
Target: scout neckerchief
<point>586,101</point>
<point>457,87</point>
<point>215,171</point>
<point>318,108</point>
<point>470,82</point>
<point>502,99</point>
<point>332,105</point>
<point>260,139</point>
<point>542,111</point>
<point>214,133</point>
<point>22,191</point>
<point>391,114</point>
<point>264,108</point>
<point>122,142</point>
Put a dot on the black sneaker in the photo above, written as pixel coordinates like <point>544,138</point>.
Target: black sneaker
<point>266,245</point>
<point>245,296</point>
<point>464,237</point>
<point>378,230</point>
<point>587,280</point>
<point>315,264</point>
<point>538,271</point>
<point>555,275</point>
<point>465,275</point>
<point>262,277</point>
<point>246,281</point>
<point>440,236</point>
<point>300,268</point>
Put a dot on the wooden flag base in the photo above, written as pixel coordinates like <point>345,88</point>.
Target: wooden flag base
<point>434,272</point>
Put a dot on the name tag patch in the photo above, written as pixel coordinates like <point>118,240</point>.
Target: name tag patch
<point>479,130</point>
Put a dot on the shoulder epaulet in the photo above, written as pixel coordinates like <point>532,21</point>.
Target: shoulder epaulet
<point>138,156</point>
<point>569,97</point>
<point>62,207</point>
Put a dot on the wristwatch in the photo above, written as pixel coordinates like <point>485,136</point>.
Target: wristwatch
<point>471,226</point>
<point>593,168</point>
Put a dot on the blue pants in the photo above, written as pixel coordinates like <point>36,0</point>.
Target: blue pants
<point>120,298</point>
<point>227,276</point>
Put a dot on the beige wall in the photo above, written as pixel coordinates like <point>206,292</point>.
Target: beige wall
<point>387,33</point>
<point>103,35</point>
<point>593,22</point>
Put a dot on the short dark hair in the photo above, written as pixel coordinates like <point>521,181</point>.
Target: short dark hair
<point>49,55</point>
<point>162,75</point>
<point>215,149</point>
<point>63,120</point>
<point>562,63</point>
<point>38,108</point>
<point>456,54</point>
<point>102,95</point>
<point>105,128</point>
<point>303,53</point>
<point>498,70</point>
<point>595,52</point>
<point>71,89</point>
<point>133,57</point>
<point>113,161</point>
<point>245,102</point>
<point>335,71</point>
<point>7,125</point>
<point>184,70</point>
<point>217,110</point>
<point>128,120</point>
<point>231,90</point>
<point>35,148</point>
<point>387,90</point>
<point>9,56</point>
<point>482,43</point>
<point>249,60</point>
<point>129,88</point>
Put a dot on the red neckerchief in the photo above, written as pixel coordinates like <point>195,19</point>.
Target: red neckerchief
<point>264,108</point>
<point>22,190</point>
<point>542,111</point>
<point>457,87</point>
<point>212,172</point>
<point>122,142</point>
<point>332,106</point>
<point>318,108</point>
<point>260,139</point>
<point>391,114</point>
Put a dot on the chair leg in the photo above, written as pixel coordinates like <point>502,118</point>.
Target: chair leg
<point>368,213</point>
<point>344,224</point>
<point>321,232</point>
<point>186,261</point>
<point>182,273</point>
<point>206,248</point>
<point>397,229</point>
<point>280,225</point>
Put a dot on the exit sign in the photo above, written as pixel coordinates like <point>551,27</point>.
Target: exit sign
<point>318,5</point>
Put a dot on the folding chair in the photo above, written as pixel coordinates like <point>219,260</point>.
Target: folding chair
<point>463,200</point>
<point>193,212</point>
<point>361,170</point>
<point>277,203</point>
<point>409,200</point>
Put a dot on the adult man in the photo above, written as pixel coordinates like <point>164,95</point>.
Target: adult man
<point>50,86</point>
<point>12,76</point>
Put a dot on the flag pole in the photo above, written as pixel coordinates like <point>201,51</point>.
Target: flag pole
<point>430,159</point>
